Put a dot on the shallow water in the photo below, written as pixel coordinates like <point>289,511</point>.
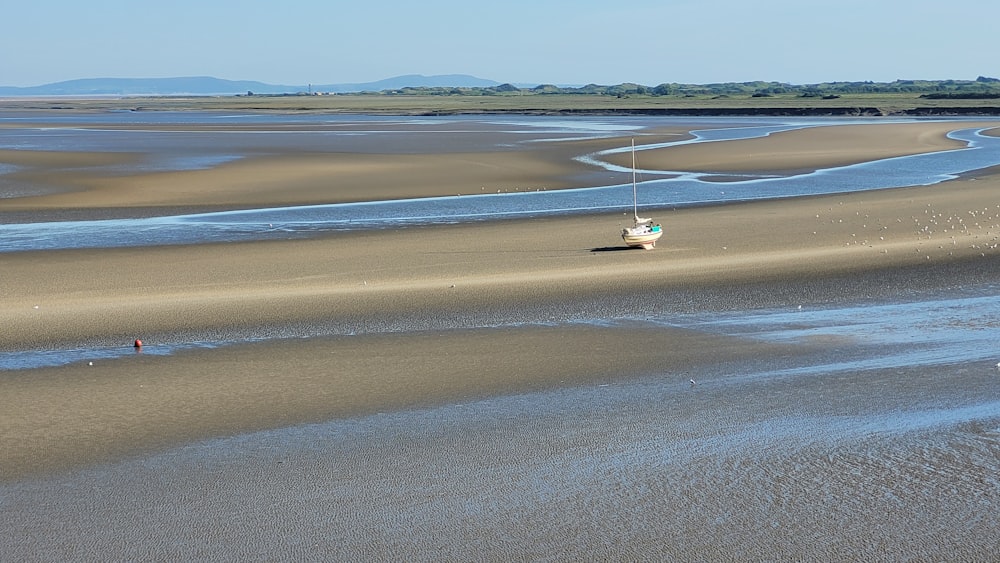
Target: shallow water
<point>531,201</point>
<point>960,326</point>
<point>743,465</point>
<point>938,330</point>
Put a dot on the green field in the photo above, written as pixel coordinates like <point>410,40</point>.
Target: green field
<point>429,104</point>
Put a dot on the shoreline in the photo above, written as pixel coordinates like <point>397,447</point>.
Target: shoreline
<point>560,104</point>
<point>284,176</point>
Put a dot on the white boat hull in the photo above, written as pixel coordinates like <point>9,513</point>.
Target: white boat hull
<point>645,239</point>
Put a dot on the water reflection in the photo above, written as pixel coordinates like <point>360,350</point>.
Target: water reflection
<point>938,330</point>
<point>947,329</point>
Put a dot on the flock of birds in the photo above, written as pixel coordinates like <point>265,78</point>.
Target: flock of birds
<point>976,229</point>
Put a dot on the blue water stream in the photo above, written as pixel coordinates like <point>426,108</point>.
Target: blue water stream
<point>680,191</point>
<point>938,330</point>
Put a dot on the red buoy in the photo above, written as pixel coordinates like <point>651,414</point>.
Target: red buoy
<point>138,343</point>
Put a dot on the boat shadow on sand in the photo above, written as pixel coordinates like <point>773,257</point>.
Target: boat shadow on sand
<point>614,248</point>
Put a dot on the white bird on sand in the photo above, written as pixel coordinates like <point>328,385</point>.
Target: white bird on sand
<point>693,382</point>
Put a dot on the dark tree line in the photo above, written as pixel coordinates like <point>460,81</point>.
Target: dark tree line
<point>980,88</point>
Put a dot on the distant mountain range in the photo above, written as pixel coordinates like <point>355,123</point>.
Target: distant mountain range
<point>208,86</point>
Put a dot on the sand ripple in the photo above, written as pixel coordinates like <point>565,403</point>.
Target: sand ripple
<point>633,471</point>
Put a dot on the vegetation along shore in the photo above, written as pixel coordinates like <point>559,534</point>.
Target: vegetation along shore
<point>901,97</point>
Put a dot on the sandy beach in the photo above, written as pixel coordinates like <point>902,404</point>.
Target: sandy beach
<point>440,317</point>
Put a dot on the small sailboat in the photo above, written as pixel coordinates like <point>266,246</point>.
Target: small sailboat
<point>643,233</point>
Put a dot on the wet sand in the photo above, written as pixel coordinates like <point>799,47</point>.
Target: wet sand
<point>428,437</point>
<point>415,169</point>
<point>804,149</point>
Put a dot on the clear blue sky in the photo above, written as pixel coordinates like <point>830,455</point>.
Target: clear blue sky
<point>650,42</point>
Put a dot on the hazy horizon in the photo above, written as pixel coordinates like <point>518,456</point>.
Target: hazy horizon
<point>484,78</point>
<point>645,41</point>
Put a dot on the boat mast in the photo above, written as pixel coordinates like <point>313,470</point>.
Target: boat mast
<point>635,205</point>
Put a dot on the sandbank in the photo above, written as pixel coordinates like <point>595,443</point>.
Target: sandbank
<point>807,149</point>
<point>430,284</point>
<point>286,177</point>
<point>433,279</point>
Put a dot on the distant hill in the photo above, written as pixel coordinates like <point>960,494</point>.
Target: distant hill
<point>982,88</point>
<point>411,81</point>
<point>209,86</point>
